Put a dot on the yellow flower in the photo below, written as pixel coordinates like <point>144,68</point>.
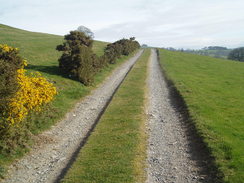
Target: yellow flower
<point>25,62</point>
<point>33,93</point>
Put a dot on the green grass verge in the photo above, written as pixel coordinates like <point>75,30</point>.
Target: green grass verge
<point>115,151</point>
<point>39,50</point>
<point>213,90</point>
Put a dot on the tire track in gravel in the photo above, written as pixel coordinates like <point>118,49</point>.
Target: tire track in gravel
<point>172,155</point>
<point>49,161</point>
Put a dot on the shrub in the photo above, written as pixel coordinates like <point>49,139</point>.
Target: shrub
<point>77,59</point>
<point>84,69</point>
<point>120,47</point>
<point>112,52</point>
<point>34,91</point>
<point>27,93</point>
<point>10,62</point>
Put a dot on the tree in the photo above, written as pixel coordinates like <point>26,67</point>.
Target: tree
<point>237,54</point>
<point>144,46</point>
<point>86,30</point>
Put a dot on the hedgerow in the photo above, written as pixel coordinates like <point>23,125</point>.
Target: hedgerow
<point>120,47</point>
<point>79,61</point>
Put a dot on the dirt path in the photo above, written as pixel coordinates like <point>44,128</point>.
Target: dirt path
<point>171,157</point>
<point>57,146</point>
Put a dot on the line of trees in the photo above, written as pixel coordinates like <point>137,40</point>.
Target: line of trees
<point>80,62</point>
<point>213,51</point>
<point>216,51</point>
<point>237,54</point>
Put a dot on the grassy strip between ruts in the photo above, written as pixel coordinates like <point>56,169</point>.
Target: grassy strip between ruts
<point>39,50</point>
<point>115,151</point>
<point>213,91</point>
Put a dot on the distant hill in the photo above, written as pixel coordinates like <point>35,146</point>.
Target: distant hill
<point>213,51</point>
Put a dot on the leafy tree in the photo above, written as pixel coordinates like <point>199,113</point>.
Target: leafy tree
<point>144,46</point>
<point>237,54</point>
<point>86,30</point>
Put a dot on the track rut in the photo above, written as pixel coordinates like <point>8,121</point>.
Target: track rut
<point>174,154</point>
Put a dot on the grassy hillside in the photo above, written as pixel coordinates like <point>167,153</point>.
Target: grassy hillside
<point>39,50</point>
<point>213,90</point>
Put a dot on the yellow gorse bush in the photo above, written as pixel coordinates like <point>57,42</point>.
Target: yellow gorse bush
<point>6,48</point>
<point>34,91</point>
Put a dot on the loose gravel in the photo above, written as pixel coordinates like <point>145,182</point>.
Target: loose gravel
<point>171,157</point>
<point>56,146</point>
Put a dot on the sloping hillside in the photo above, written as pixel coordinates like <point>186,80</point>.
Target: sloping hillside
<point>40,51</point>
<point>38,48</point>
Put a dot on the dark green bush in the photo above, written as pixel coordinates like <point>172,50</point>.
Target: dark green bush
<point>84,69</point>
<point>237,54</point>
<point>78,58</point>
<point>112,52</point>
<point>120,47</point>
<point>79,61</point>
<point>10,62</point>
<point>10,136</point>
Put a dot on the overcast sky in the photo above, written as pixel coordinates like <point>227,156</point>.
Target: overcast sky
<point>162,23</point>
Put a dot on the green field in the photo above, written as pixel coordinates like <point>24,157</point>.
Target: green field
<point>115,151</point>
<point>40,51</point>
<point>213,90</point>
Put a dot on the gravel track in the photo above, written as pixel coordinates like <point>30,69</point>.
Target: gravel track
<point>55,149</point>
<point>171,155</point>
